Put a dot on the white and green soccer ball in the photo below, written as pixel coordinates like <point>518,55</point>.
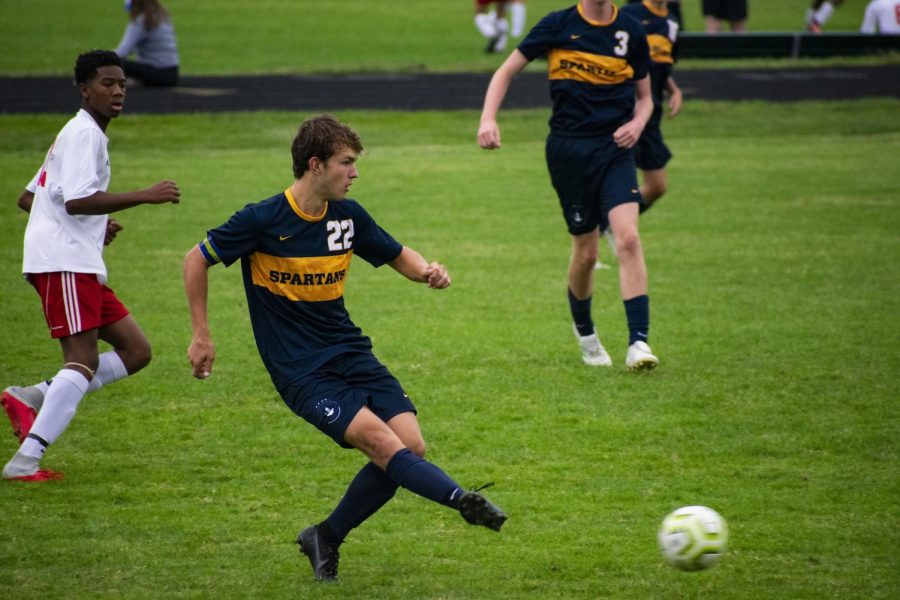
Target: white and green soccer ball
<point>693,538</point>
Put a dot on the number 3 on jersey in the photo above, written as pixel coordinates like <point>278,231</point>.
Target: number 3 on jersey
<point>340,236</point>
<point>622,48</point>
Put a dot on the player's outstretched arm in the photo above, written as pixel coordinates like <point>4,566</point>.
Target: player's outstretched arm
<point>102,203</point>
<point>488,130</point>
<point>202,351</point>
<point>411,265</point>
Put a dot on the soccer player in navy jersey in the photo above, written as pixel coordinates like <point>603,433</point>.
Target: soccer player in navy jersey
<point>651,153</point>
<point>598,60</point>
<point>295,250</point>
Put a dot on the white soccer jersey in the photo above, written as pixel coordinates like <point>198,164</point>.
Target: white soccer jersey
<point>882,16</point>
<point>76,166</point>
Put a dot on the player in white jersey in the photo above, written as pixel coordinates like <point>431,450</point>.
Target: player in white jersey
<point>67,228</point>
<point>882,16</point>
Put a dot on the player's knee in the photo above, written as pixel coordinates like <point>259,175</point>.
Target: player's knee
<point>138,356</point>
<point>379,446</point>
<point>628,243</point>
<point>584,258</point>
<point>417,447</point>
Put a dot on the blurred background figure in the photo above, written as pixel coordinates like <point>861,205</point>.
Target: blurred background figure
<point>150,35</point>
<point>493,24</point>
<point>674,7</point>
<point>718,12</point>
<point>882,16</point>
<point>818,14</point>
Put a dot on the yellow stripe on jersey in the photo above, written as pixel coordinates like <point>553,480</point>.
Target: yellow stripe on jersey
<point>587,67</point>
<point>210,251</point>
<point>660,48</point>
<point>307,279</point>
<point>296,208</point>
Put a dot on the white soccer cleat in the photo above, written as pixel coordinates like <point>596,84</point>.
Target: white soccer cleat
<point>592,351</point>
<point>640,357</point>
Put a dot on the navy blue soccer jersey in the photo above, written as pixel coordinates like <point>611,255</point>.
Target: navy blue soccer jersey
<point>294,267</point>
<point>662,34</point>
<point>592,68</point>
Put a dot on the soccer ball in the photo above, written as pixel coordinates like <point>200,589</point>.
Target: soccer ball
<point>693,538</point>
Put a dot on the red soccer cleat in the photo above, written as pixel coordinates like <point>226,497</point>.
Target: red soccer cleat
<point>20,414</point>
<point>39,475</point>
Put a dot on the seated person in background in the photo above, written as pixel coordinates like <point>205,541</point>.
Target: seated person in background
<point>151,36</point>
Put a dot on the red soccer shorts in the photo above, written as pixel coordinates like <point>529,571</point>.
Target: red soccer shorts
<point>76,302</point>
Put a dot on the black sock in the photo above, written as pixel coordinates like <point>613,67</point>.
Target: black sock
<point>368,492</point>
<point>423,478</point>
<point>637,312</point>
<point>581,314</point>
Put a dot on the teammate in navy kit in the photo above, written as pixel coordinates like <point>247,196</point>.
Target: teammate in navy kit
<point>295,250</point>
<point>598,59</point>
<point>651,153</point>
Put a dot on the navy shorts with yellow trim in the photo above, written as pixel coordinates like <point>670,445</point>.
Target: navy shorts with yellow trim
<point>591,175</point>
<point>651,152</point>
<point>329,397</point>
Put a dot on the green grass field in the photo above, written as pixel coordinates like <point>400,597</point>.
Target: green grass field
<point>304,36</point>
<point>775,292</point>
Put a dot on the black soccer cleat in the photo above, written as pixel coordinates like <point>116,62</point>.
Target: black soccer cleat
<point>322,556</point>
<point>478,510</point>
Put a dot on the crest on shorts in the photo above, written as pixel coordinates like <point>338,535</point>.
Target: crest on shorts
<point>328,410</point>
<point>576,215</point>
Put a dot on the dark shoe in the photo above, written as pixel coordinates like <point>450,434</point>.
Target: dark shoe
<point>478,510</point>
<point>322,556</point>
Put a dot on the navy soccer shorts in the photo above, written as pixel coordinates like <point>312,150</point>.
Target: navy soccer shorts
<point>729,10</point>
<point>591,177</point>
<point>651,152</point>
<point>329,397</point>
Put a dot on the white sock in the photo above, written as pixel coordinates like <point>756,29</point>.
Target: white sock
<point>110,369</point>
<point>518,18</point>
<point>502,29</point>
<point>486,25</point>
<point>824,13</point>
<point>68,388</point>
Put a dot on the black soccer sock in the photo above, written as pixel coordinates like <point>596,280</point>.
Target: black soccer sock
<point>369,491</point>
<point>423,478</point>
<point>637,312</point>
<point>581,314</point>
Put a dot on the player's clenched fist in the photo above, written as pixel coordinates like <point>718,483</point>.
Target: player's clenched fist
<point>437,276</point>
<point>164,191</point>
<point>201,355</point>
<point>489,135</point>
